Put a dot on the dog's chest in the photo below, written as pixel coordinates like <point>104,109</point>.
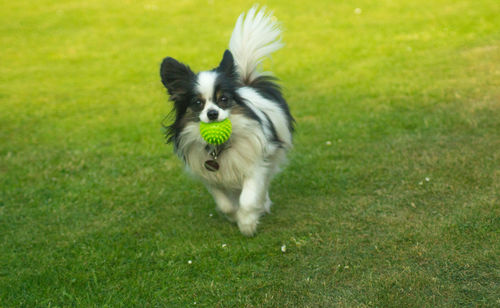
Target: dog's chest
<point>227,167</point>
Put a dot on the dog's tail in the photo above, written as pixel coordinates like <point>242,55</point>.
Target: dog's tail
<point>254,38</point>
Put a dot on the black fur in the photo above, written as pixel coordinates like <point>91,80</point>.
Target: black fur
<point>268,87</point>
<point>227,67</point>
<point>180,82</point>
<point>178,79</point>
<point>271,127</point>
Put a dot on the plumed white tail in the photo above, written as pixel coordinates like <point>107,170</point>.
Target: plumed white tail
<point>254,38</point>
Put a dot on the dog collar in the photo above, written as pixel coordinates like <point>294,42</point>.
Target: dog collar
<point>214,151</point>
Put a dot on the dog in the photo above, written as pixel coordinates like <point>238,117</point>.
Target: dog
<point>238,172</point>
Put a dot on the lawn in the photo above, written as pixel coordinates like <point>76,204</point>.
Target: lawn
<point>390,197</point>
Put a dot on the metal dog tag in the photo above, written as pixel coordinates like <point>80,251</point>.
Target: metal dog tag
<point>212,165</point>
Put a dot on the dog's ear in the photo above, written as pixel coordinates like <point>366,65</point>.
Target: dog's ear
<point>176,77</point>
<point>227,64</point>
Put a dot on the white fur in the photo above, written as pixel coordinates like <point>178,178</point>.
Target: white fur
<point>206,83</point>
<point>247,145</point>
<point>254,38</point>
<point>209,105</point>
<point>205,86</point>
<point>251,157</point>
<point>262,106</point>
<point>240,186</point>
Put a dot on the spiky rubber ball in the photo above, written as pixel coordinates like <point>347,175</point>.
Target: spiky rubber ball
<point>216,132</point>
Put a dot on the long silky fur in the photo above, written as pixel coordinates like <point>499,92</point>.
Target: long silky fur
<point>262,124</point>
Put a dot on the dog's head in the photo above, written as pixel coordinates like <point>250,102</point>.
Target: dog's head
<point>207,96</point>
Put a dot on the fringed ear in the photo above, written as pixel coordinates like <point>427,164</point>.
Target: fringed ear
<point>226,66</point>
<point>176,77</point>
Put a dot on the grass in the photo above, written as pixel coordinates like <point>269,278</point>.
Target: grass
<point>390,198</point>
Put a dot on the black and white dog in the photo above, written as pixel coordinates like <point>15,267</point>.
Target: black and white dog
<point>238,172</point>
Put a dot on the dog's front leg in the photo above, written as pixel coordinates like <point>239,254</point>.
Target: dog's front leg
<point>227,202</point>
<point>252,201</point>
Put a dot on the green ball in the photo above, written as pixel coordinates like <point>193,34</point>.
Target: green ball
<point>216,132</point>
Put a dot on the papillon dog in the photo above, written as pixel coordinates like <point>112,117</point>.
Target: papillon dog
<point>238,172</point>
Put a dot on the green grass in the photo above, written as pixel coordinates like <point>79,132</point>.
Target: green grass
<point>95,210</point>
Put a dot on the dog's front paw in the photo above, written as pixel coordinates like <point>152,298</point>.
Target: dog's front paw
<point>248,229</point>
<point>247,223</point>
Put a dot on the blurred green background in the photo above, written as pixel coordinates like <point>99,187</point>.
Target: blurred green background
<point>390,197</point>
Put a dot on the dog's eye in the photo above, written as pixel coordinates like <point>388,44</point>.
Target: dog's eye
<point>223,99</point>
<point>197,103</point>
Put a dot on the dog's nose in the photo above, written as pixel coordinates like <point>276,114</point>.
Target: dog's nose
<point>212,114</point>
